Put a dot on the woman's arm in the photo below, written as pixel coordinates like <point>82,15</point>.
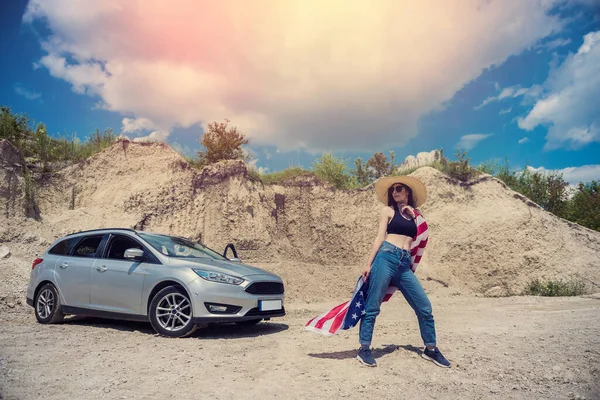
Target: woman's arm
<point>384,219</point>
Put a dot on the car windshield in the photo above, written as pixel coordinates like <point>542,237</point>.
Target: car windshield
<point>179,247</point>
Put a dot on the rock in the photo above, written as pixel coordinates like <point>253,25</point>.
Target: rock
<point>11,305</point>
<point>495,291</point>
<point>29,238</point>
<point>4,252</point>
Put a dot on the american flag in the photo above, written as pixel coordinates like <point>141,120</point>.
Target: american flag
<point>347,315</point>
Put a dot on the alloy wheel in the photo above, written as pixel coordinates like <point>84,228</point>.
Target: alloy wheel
<point>45,303</point>
<point>174,312</point>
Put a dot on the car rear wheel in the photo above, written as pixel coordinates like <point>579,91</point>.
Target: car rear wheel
<point>171,312</point>
<point>47,305</point>
<point>249,322</point>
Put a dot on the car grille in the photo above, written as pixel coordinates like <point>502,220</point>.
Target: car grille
<point>265,288</point>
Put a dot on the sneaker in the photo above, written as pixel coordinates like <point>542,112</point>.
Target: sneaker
<point>366,358</point>
<point>436,356</point>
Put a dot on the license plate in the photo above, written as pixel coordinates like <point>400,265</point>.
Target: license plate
<point>269,305</point>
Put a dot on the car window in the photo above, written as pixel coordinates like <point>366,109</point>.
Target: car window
<point>118,245</point>
<point>173,246</point>
<point>88,247</point>
<point>63,247</point>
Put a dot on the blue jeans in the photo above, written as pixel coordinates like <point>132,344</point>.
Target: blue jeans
<point>392,265</point>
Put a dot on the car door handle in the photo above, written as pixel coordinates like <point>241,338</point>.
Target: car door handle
<point>101,268</point>
<point>64,266</point>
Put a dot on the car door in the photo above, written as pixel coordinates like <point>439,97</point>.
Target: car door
<point>116,283</point>
<point>72,271</point>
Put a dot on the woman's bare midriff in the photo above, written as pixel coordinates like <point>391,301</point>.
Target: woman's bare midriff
<point>401,241</point>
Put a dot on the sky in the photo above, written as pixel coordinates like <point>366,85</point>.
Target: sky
<point>501,79</point>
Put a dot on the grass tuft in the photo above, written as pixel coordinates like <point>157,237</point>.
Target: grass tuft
<point>555,288</point>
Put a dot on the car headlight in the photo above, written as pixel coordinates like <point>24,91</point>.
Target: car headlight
<point>218,277</point>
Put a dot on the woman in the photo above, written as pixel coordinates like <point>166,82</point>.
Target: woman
<point>390,264</point>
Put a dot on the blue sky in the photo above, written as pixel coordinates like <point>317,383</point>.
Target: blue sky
<point>495,82</point>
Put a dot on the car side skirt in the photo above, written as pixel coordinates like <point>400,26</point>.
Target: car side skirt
<point>103,314</point>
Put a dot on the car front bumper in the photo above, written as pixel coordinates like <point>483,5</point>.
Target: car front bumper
<point>245,305</point>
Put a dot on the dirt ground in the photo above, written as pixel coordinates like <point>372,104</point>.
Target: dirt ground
<point>502,348</point>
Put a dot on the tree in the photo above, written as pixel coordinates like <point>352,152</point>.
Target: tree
<point>557,195</point>
<point>221,142</point>
<point>360,173</point>
<point>378,166</point>
<point>584,207</point>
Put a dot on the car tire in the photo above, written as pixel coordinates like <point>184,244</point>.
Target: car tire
<point>249,322</point>
<point>170,313</point>
<point>48,309</point>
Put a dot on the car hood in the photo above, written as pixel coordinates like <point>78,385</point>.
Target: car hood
<point>226,267</point>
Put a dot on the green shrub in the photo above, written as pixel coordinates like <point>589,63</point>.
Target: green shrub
<point>488,167</point>
<point>221,142</point>
<point>459,169</point>
<point>333,170</point>
<point>39,147</point>
<point>556,288</point>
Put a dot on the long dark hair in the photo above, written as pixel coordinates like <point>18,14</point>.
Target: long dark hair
<point>392,203</point>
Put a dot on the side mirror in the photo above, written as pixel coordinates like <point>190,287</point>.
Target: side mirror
<point>235,256</point>
<point>134,254</point>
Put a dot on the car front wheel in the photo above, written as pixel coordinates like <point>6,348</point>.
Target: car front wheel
<point>47,305</point>
<point>171,312</point>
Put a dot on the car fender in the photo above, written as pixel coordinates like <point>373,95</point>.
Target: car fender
<point>150,286</point>
<point>47,275</point>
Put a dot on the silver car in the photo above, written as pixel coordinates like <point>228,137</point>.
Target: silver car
<point>170,281</point>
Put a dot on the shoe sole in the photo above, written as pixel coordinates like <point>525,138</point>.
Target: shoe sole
<point>435,362</point>
<point>364,363</point>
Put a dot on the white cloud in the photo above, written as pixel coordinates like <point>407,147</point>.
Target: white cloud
<point>570,105</point>
<point>156,136</point>
<point>574,175</point>
<point>136,124</point>
<point>29,94</point>
<point>468,142</point>
<point>505,111</point>
<point>345,75</point>
<point>524,140</point>
<point>554,44</point>
<point>513,92</point>
<point>86,77</point>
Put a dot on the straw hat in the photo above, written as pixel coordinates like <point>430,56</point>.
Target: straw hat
<point>419,192</point>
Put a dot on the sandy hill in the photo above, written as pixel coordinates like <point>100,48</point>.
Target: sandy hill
<point>483,235</point>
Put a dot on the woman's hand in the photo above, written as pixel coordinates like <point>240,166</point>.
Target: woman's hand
<point>366,273</point>
<point>409,210</point>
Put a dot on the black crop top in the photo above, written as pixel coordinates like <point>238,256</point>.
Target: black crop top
<point>402,226</point>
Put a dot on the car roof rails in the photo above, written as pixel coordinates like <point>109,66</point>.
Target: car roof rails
<point>102,229</point>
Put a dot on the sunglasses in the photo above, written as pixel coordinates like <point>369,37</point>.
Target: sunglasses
<point>398,189</point>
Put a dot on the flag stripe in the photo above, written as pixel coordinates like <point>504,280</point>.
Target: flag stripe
<point>337,321</point>
<point>329,315</point>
